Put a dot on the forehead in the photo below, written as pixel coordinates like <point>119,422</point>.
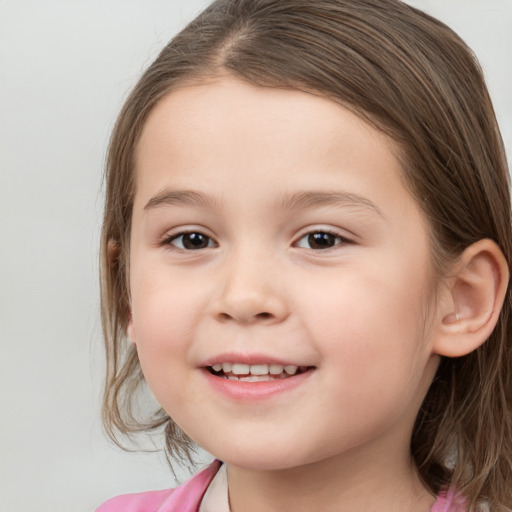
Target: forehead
<point>218,125</point>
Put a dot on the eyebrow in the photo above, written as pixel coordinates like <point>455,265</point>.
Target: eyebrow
<point>288,201</point>
<point>183,198</point>
<point>311,199</point>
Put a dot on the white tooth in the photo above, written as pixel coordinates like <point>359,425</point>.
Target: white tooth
<point>259,369</point>
<point>240,369</point>
<point>290,369</point>
<point>276,369</point>
<point>217,367</point>
<point>232,377</point>
<point>226,367</point>
<point>255,378</point>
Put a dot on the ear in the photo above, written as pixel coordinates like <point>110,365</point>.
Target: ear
<point>112,252</point>
<point>472,299</point>
<point>130,331</point>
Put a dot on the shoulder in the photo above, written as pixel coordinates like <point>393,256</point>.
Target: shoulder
<point>140,502</point>
<point>187,497</point>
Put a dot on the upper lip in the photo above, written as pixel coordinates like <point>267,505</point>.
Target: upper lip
<point>250,359</point>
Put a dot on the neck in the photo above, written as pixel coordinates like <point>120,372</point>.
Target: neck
<point>347,482</point>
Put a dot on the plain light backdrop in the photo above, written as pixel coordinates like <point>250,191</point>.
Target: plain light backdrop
<point>65,68</point>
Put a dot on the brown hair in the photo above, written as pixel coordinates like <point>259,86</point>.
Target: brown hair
<point>413,78</point>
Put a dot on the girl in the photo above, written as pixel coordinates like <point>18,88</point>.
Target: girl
<point>305,255</point>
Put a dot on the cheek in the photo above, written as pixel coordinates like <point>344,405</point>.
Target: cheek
<point>370,325</point>
<point>164,305</point>
<point>164,318</point>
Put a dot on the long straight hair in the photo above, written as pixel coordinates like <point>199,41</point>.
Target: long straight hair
<point>413,78</point>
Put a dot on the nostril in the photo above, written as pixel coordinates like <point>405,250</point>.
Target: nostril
<point>226,316</point>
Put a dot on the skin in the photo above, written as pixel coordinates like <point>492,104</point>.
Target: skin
<point>361,312</point>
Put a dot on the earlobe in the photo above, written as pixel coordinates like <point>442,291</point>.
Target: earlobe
<point>477,288</point>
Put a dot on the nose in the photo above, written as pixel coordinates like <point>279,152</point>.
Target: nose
<point>250,292</point>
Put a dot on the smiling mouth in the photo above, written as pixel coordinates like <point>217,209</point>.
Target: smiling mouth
<point>256,372</point>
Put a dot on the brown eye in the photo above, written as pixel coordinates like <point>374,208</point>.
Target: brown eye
<point>321,240</point>
<point>191,241</point>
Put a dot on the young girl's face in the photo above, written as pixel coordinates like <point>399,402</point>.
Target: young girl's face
<point>271,228</point>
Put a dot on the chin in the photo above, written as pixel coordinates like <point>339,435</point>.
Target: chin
<point>257,458</point>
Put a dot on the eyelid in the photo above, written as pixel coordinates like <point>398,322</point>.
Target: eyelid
<point>344,240</point>
<point>170,237</point>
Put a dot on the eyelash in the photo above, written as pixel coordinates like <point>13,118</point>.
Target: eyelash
<point>172,238</point>
<point>169,241</point>
<point>342,240</point>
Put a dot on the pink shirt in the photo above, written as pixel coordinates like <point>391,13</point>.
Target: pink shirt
<point>187,497</point>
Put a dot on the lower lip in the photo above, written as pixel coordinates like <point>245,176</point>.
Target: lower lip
<point>253,391</point>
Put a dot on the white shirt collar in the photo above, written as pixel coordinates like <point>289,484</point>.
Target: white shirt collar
<point>216,498</point>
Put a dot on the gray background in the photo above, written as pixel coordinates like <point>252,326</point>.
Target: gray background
<point>65,68</point>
